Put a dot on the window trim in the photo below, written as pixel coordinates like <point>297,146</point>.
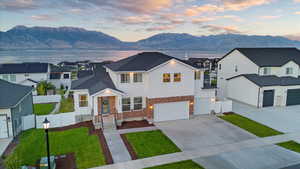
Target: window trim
<point>141,103</point>
<point>135,78</point>
<point>177,79</point>
<point>83,103</point>
<point>129,104</point>
<point>125,75</point>
<point>169,79</point>
<point>197,75</point>
<point>268,70</point>
<point>66,74</point>
<point>289,71</point>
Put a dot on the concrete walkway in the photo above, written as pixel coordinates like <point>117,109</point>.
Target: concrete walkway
<point>205,152</point>
<point>116,146</point>
<point>3,144</point>
<point>133,130</point>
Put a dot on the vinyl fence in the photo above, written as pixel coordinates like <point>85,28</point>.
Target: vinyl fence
<point>221,106</point>
<point>57,120</point>
<point>28,122</point>
<point>46,99</point>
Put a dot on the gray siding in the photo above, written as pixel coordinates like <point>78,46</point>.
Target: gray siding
<point>24,108</point>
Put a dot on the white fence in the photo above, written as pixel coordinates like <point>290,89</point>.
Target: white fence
<point>57,120</point>
<point>221,106</point>
<point>28,122</point>
<point>46,99</point>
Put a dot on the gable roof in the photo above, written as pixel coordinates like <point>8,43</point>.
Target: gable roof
<point>23,68</point>
<point>60,69</point>
<point>12,94</point>
<point>270,57</point>
<point>272,80</point>
<point>96,82</point>
<point>142,62</point>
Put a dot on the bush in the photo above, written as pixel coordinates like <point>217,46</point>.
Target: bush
<point>43,87</point>
<point>213,82</point>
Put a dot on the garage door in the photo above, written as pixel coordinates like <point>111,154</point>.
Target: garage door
<point>293,97</point>
<point>268,98</point>
<point>202,105</point>
<point>3,127</point>
<point>171,111</point>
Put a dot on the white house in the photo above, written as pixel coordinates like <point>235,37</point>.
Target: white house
<point>60,76</point>
<point>149,85</point>
<point>260,76</point>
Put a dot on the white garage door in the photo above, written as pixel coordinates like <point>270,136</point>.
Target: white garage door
<point>3,127</point>
<point>202,105</point>
<point>171,111</point>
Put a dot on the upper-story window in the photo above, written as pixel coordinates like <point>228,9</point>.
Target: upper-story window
<point>197,75</point>
<point>166,77</point>
<point>289,70</point>
<point>137,77</point>
<point>266,71</point>
<point>177,77</point>
<point>5,77</point>
<point>125,78</point>
<point>12,78</point>
<point>220,66</point>
<point>66,76</point>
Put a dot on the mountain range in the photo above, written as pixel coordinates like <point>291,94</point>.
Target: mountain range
<point>22,37</point>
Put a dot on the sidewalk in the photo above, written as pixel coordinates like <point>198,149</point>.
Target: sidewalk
<point>205,151</point>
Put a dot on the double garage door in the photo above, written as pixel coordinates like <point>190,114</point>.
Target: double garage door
<point>293,97</point>
<point>171,111</point>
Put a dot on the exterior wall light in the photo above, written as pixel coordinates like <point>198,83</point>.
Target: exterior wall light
<point>151,107</point>
<point>191,103</point>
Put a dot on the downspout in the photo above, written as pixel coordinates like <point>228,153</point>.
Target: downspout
<point>258,98</point>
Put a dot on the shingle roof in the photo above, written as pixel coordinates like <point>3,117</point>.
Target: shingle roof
<point>271,80</point>
<point>96,82</point>
<point>270,57</point>
<point>12,93</point>
<point>142,62</point>
<point>60,69</point>
<point>23,68</point>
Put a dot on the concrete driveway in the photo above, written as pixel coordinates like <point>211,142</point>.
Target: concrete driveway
<point>284,119</point>
<point>202,131</point>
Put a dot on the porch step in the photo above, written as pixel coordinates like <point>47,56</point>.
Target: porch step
<point>109,122</point>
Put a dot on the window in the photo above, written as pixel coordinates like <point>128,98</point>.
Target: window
<point>26,75</point>
<point>20,107</point>
<point>236,68</point>
<point>138,103</point>
<point>12,78</point>
<point>83,100</point>
<point>266,71</point>
<point>137,77</point>
<point>220,66</point>
<point>125,78</point>
<point>5,77</point>
<point>66,76</point>
<point>177,77</point>
<point>197,75</point>
<point>166,77</point>
<point>289,70</point>
<point>126,104</point>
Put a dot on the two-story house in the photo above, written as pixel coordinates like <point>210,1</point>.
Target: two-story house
<point>260,76</point>
<point>149,85</point>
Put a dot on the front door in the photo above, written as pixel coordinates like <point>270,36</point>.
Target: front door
<point>105,105</point>
<point>268,98</point>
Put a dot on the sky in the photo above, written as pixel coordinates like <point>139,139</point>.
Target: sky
<point>132,20</point>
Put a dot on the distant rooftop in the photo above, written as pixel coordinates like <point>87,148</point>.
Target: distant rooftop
<point>23,68</point>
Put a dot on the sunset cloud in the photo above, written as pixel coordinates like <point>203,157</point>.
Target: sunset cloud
<point>160,28</point>
<point>297,13</point>
<point>215,29</point>
<point>270,17</point>
<point>18,4</point>
<point>136,19</point>
<point>203,20</point>
<point>43,17</point>
<point>296,0</point>
<point>208,8</point>
<point>237,5</point>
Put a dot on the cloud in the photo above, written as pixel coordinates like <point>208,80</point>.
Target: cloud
<point>207,8</point>
<point>297,13</point>
<point>270,17</point>
<point>18,4</point>
<point>75,10</point>
<point>203,19</point>
<point>215,29</point>
<point>296,0</point>
<point>136,19</point>
<point>237,5</point>
<point>160,28</point>
<point>43,17</point>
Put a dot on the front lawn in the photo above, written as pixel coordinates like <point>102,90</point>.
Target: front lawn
<point>151,143</point>
<point>189,164</point>
<point>66,105</point>
<point>87,149</point>
<point>291,145</point>
<point>251,126</point>
<point>43,109</point>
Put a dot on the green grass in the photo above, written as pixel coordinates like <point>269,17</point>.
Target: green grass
<point>32,147</point>
<point>291,145</point>
<point>151,143</point>
<point>250,125</point>
<point>189,164</point>
<point>66,105</point>
<point>43,109</point>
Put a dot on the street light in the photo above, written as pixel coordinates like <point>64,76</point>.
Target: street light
<point>46,125</point>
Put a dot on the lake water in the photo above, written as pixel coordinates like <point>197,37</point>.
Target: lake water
<point>56,56</point>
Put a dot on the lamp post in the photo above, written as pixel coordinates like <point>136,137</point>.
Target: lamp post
<point>46,125</point>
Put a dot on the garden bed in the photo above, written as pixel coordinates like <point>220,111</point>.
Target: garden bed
<point>134,124</point>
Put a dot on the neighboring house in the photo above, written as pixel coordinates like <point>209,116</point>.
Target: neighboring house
<point>260,76</point>
<point>209,63</point>
<point>60,75</point>
<point>28,74</point>
<point>15,103</point>
<point>149,85</point>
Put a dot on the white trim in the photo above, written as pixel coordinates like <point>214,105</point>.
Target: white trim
<point>114,91</point>
<point>158,66</point>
